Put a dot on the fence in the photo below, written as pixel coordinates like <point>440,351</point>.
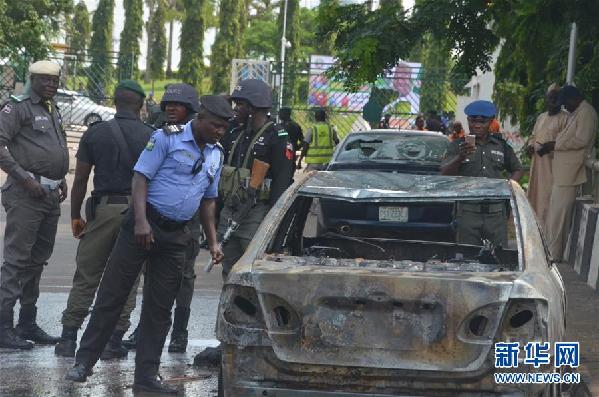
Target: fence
<point>403,93</point>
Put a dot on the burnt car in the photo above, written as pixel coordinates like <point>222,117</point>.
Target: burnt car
<point>415,152</point>
<point>315,308</point>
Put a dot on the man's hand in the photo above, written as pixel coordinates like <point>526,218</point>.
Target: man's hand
<point>546,148</point>
<point>465,150</point>
<point>217,253</point>
<point>64,190</point>
<point>530,150</point>
<point>34,188</point>
<point>77,226</point>
<point>143,234</point>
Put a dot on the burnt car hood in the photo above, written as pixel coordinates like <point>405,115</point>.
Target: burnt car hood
<point>380,317</point>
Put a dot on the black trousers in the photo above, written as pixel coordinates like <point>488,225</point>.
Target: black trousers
<point>164,272</point>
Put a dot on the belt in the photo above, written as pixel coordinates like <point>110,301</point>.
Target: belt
<point>112,199</point>
<point>162,221</point>
<point>47,183</point>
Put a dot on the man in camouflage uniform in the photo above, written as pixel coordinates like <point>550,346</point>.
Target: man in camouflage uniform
<point>34,154</point>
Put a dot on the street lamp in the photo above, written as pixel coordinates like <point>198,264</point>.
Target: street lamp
<point>284,45</point>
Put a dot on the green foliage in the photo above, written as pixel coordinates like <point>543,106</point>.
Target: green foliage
<point>129,48</point>
<point>224,49</point>
<point>363,43</point>
<point>100,49</point>
<point>79,30</point>
<point>29,26</point>
<point>191,66</point>
<point>157,40</point>
<point>435,63</point>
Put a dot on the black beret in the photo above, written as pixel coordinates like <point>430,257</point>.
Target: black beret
<point>217,105</point>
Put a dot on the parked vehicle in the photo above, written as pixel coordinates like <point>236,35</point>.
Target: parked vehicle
<point>78,109</point>
<point>347,309</point>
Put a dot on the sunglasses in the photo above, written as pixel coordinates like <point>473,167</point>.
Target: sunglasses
<point>198,165</point>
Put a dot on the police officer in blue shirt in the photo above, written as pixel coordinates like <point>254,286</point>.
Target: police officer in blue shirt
<point>177,172</point>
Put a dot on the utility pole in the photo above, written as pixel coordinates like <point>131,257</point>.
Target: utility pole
<point>283,47</point>
<point>572,54</point>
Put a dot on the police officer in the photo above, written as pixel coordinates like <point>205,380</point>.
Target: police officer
<point>319,143</point>
<point>111,148</point>
<point>296,136</point>
<point>179,104</point>
<point>490,157</point>
<point>177,173</point>
<point>258,168</point>
<point>34,154</point>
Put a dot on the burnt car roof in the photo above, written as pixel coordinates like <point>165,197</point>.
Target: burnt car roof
<point>396,132</point>
<point>360,185</point>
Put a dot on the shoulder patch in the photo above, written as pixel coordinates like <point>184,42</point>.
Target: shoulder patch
<point>7,108</point>
<point>150,144</point>
<point>19,98</point>
<point>173,129</point>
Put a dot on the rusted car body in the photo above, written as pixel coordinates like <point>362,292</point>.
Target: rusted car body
<point>340,313</point>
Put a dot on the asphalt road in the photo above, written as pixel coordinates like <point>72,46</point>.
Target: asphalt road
<point>40,373</point>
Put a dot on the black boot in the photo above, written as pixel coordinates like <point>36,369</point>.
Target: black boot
<point>78,373</point>
<point>153,385</point>
<point>209,356</point>
<point>114,348</point>
<point>67,344</point>
<point>179,334</point>
<point>8,337</point>
<point>131,342</point>
<point>28,328</point>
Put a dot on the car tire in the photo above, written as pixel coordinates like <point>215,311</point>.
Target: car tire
<point>91,118</point>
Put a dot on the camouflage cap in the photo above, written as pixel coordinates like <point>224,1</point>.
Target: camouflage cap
<point>131,85</point>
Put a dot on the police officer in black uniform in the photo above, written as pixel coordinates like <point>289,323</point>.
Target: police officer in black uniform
<point>176,174</point>
<point>258,168</point>
<point>179,105</point>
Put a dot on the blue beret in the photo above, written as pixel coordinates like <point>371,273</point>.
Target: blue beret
<point>481,108</point>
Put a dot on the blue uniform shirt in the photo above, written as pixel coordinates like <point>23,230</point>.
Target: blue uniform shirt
<point>167,162</point>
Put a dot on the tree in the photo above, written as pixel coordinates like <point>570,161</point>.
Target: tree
<point>28,27</point>
<point>79,31</point>
<point>225,49</point>
<point>100,50</point>
<point>174,12</point>
<point>260,39</point>
<point>191,66</point>
<point>157,37</point>
<point>435,66</point>
<point>292,35</point>
<point>129,48</point>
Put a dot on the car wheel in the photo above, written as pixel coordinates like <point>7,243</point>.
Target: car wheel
<point>91,118</point>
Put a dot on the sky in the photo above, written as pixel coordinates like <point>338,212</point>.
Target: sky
<point>208,35</point>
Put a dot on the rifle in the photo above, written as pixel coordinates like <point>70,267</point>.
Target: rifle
<point>232,228</point>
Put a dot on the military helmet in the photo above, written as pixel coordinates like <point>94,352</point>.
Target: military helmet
<point>181,93</point>
<point>255,91</point>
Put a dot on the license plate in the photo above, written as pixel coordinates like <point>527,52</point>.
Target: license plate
<point>393,214</point>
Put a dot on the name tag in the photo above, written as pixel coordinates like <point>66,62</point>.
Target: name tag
<point>497,153</point>
<point>41,118</point>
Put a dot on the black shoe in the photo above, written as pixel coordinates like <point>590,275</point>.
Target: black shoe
<point>113,351</point>
<point>131,342</point>
<point>78,373</point>
<point>154,385</point>
<point>10,339</point>
<point>65,347</point>
<point>209,356</point>
<point>34,333</point>
<point>178,342</point>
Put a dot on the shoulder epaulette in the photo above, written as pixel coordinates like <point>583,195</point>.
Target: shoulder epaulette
<point>172,129</point>
<point>19,98</point>
<point>219,146</point>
